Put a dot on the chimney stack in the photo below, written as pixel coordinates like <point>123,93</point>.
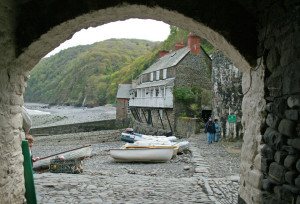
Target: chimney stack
<point>194,43</point>
<point>162,53</point>
<point>179,46</point>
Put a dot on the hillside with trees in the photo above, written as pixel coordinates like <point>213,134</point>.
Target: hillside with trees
<point>93,72</point>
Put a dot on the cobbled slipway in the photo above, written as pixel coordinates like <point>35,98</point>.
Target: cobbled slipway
<point>191,177</point>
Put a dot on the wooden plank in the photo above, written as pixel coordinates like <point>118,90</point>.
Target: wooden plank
<point>169,121</point>
<point>139,118</point>
<point>161,120</point>
<point>144,115</point>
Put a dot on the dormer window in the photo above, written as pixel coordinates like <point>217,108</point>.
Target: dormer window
<point>151,76</point>
<point>157,75</point>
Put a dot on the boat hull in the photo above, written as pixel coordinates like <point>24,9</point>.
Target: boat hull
<point>175,148</point>
<point>142,154</point>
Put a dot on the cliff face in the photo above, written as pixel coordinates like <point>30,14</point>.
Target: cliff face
<point>227,95</point>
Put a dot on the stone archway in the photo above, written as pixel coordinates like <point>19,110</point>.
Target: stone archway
<point>58,34</point>
<point>27,37</point>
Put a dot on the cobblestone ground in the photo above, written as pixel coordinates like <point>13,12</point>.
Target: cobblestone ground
<point>220,166</point>
<point>193,177</point>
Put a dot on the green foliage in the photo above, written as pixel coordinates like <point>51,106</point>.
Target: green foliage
<point>209,48</point>
<point>177,35</point>
<point>206,98</point>
<point>184,94</point>
<point>187,94</point>
<point>194,107</point>
<point>191,97</point>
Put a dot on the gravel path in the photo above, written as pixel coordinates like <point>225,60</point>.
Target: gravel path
<point>221,162</point>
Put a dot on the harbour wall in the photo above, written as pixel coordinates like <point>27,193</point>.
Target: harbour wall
<point>80,127</point>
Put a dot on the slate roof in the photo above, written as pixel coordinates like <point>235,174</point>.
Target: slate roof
<point>123,90</point>
<point>168,60</point>
<point>155,83</point>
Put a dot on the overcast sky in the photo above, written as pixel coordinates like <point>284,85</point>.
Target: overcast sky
<point>132,28</point>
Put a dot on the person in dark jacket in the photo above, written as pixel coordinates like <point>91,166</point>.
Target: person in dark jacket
<point>210,129</point>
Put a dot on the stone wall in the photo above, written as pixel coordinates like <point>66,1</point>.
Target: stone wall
<point>80,127</point>
<point>280,162</point>
<point>253,108</point>
<point>12,85</point>
<point>122,108</point>
<point>227,95</point>
<point>187,127</point>
<point>194,70</point>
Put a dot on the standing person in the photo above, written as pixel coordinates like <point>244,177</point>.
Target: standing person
<point>218,130</point>
<point>210,129</point>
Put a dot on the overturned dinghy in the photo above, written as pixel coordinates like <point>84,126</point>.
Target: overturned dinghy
<point>78,153</point>
<point>162,154</point>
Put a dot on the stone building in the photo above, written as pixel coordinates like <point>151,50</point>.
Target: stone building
<point>227,95</point>
<point>261,38</point>
<point>153,106</point>
<point>122,110</point>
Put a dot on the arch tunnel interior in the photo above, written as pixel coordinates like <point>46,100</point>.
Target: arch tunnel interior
<point>244,30</point>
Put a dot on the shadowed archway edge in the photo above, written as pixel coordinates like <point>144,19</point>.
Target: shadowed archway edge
<point>64,31</point>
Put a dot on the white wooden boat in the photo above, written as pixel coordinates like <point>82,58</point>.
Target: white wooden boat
<point>161,154</point>
<point>77,153</point>
<point>130,146</point>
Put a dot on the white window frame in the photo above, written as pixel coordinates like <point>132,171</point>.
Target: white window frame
<point>164,73</point>
<point>151,76</point>
<point>157,75</point>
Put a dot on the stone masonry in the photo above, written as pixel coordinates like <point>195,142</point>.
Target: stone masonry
<point>227,95</point>
<point>12,86</point>
<point>280,162</point>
